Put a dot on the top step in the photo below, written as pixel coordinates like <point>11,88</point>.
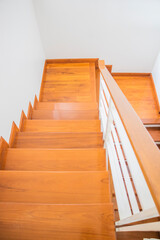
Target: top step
<point>66,106</point>
<point>69,82</point>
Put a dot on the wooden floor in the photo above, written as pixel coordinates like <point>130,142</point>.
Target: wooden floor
<point>53,178</point>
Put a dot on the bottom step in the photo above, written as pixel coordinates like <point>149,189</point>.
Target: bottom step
<point>58,222</point>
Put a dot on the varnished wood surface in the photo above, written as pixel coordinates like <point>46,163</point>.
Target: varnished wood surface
<point>58,222</point>
<point>3,149</point>
<point>54,187</point>
<point>139,91</point>
<point>73,60</point>
<point>65,114</point>
<point>35,101</point>
<point>67,82</point>
<point>13,133</point>
<point>30,109</point>
<point>57,140</point>
<point>141,141</point>
<point>155,133</point>
<point>23,117</point>
<point>53,178</point>
<point>66,106</point>
<point>55,160</point>
<point>137,235</point>
<point>61,126</point>
<point>109,67</point>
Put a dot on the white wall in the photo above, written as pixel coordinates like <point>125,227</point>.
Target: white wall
<point>156,75</point>
<point>21,60</point>
<point>126,33</point>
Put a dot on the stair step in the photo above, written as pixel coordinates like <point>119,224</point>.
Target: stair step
<point>155,133</point>
<point>61,126</point>
<point>66,106</point>
<point>67,222</point>
<point>57,140</point>
<point>65,114</point>
<point>55,160</point>
<point>54,187</point>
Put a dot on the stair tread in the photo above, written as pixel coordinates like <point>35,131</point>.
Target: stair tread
<point>54,187</point>
<point>55,160</point>
<point>40,221</point>
<point>57,140</point>
<point>65,114</point>
<point>61,125</point>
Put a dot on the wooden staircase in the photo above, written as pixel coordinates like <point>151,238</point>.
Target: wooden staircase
<point>53,178</point>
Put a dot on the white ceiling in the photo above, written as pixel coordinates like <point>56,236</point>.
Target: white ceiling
<point>126,33</point>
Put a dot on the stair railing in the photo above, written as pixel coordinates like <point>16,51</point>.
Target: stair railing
<point>133,157</point>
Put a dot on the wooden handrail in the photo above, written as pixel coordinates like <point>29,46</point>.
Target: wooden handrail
<point>147,153</point>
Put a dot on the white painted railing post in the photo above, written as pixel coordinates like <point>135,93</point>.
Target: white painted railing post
<point>109,122</point>
<point>100,96</point>
<point>108,130</point>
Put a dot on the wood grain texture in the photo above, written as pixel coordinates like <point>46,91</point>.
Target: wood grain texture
<point>136,235</point>
<point>65,114</point>
<point>58,140</point>
<point>55,160</point>
<point>3,149</point>
<point>66,106</point>
<point>54,187</point>
<point>23,117</point>
<point>74,222</point>
<point>72,60</point>
<point>69,82</point>
<point>53,178</point>
<point>139,91</point>
<point>141,141</point>
<point>61,126</point>
<point>30,109</point>
<point>133,74</point>
<point>155,133</point>
<point>35,102</point>
<point>14,131</point>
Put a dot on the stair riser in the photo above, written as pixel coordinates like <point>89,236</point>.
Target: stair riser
<point>66,106</point>
<point>64,115</point>
<point>56,141</point>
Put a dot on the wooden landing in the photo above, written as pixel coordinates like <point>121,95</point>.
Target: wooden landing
<point>139,90</point>
<point>69,82</point>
